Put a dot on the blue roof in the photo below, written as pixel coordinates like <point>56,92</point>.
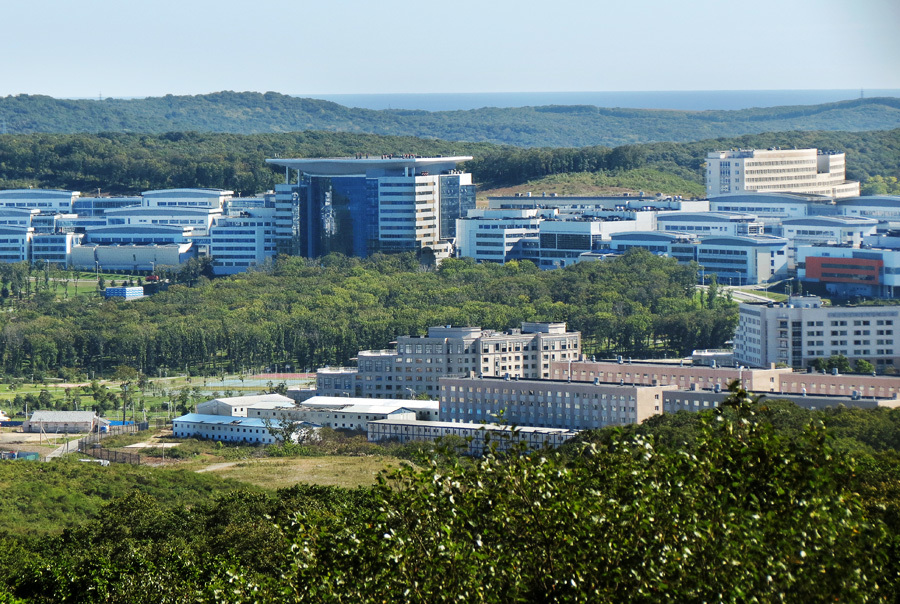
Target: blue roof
<point>222,420</point>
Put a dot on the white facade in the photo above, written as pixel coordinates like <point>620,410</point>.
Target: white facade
<point>709,223</point>
<point>778,171</point>
<point>48,201</point>
<point>803,330</point>
<point>770,208</point>
<point>743,260</point>
<point>562,242</point>
<point>238,406</point>
<point>334,412</point>
<point>503,436</point>
<point>223,428</point>
<point>237,243</point>
<point>492,235</point>
<point>186,198</point>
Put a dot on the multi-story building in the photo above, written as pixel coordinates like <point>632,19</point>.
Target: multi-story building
<point>803,329</point>
<point>778,171</point>
<point>48,201</point>
<point>684,376</point>
<point>883,208</point>
<point>577,204</point>
<point>497,235</point>
<point>548,403</point>
<point>872,270</point>
<point>477,437</point>
<point>709,223</point>
<point>418,362</point>
<point>563,242</point>
<point>240,242</point>
<point>743,260</point>
<point>362,206</point>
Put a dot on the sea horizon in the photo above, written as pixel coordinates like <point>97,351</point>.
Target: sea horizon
<point>683,100</point>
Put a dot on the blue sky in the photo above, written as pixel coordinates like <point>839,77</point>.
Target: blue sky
<point>122,48</point>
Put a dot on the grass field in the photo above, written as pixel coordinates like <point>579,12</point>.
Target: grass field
<point>328,470</point>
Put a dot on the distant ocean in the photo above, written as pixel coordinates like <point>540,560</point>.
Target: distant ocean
<point>698,100</point>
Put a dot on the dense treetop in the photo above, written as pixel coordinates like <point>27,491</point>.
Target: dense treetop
<point>757,502</point>
<point>314,313</point>
<point>578,125</point>
<point>130,163</point>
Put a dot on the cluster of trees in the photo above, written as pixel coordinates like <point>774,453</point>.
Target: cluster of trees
<point>311,313</point>
<point>122,163</point>
<point>570,126</point>
<point>753,502</point>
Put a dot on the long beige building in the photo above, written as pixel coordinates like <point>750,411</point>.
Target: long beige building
<point>808,171</point>
<point>548,403</point>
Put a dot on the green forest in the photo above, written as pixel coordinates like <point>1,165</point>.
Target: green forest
<point>311,313</point>
<point>118,163</point>
<point>578,125</point>
<point>756,501</point>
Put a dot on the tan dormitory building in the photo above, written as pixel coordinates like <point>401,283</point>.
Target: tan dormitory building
<point>418,362</point>
<point>548,403</point>
<point>767,381</point>
<point>574,405</point>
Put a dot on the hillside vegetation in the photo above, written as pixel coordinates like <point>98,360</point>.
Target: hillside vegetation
<point>131,163</point>
<point>312,313</point>
<point>571,126</point>
<point>752,502</point>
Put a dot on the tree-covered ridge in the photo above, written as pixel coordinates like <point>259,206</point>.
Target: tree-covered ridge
<point>571,126</point>
<point>131,163</point>
<point>316,313</point>
<point>755,504</point>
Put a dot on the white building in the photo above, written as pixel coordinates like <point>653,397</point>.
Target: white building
<point>238,406</point>
<point>778,171</point>
<point>186,198</point>
<point>478,436</point>
<point>743,260</point>
<point>495,235</point>
<point>883,208</point>
<point>802,330</point>
<point>770,208</point>
<point>237,243</point>
<point>335,412</point>
<point>48,201</point>
<point>709,223</point>
<point>562,242</point>
<point>226,428</point>
<point>579,204</point>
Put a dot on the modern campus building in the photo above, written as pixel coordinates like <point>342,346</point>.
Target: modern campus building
<point>362,206</point>
<point>500,235</point>
<point>808,171</point>
<point>803,329</point>
<point>418,362</point>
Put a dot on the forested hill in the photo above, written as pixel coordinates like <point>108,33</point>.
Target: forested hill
<point>131,163</point>
<point>569,126</point>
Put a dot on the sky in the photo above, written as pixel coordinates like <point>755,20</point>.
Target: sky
<point>123,48</point>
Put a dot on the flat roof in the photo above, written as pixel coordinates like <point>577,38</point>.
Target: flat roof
<point>359,167</point>
<point>474,426</point>
<point>227,420</point>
